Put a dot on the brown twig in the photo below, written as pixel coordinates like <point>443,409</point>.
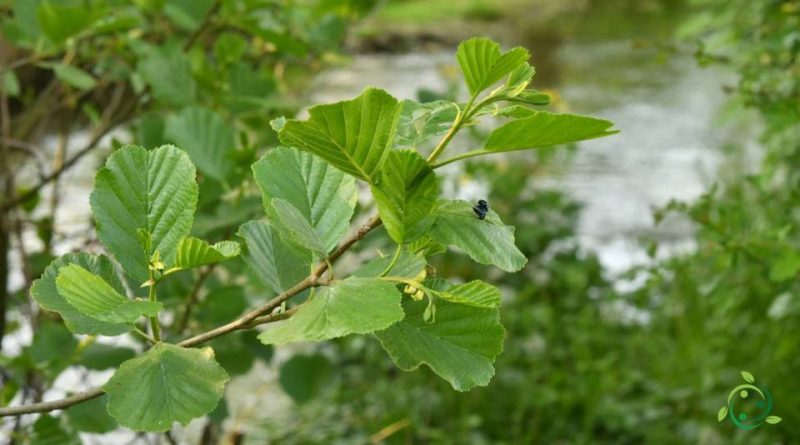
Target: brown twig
<point>258,316</point>
<point>191,300</point>
<point>202,28</point>
<point>107,123</point>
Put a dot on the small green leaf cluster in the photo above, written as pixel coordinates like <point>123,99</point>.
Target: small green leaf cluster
<point>144,201</point>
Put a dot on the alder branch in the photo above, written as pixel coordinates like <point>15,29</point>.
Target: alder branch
<point>258,316</point>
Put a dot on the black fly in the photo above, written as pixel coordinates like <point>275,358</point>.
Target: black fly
<point>481,208</point>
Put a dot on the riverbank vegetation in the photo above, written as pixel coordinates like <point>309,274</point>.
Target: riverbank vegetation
<point>516,334</point>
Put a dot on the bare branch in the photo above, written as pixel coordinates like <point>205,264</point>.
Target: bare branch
<point>107,123</point>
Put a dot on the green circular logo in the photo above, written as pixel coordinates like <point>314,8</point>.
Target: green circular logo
<point>749,405</point>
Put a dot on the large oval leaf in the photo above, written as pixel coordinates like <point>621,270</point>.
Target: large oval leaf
<point>460,346</point>
<point>139,190</point>
<point>46,294</point>
<point>486,241</point>
<point>324,196</point>
<point>353,306</point>
<point>166,384</point>
<point>355,135</point>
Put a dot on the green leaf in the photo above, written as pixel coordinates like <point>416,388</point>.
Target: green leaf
<point>419,122</point>
<point>722,413</point>
<point>74,76</point>
<point>772,420</point>
<point>353,306</point>
<point>475,293</point>
<point>46,294</point>
<point>460,346</point>
<point>140,190</point>
<point>543,129</point>
<point>785,266</point>
<point>92,296</point>
<point>487,241</point>
<point>229,47</point>
<point>409,265</point>
<point>99,356</point>
<point>232,354</point>
<point>48,430</point>
<point>355,136</point>
<point>406,195</point>
<point>60,22</point>
<point>298,228</point>
<point>277,264</point>
<point>10,83</point>
<point>188,14</point>
<point>249,89</point>
<point>221,305</point>
<point>207,138</point>
<point>167,70</point>
<point>51,341</point>
<point>519,79</point>
<point>324,196</point>
<point>748,377</point>
<point>532,97</point>
<point>91,416</point>
<point>483,65</point>
<point>164,385</point>
<point>303,376</point>
<point>194,252</point>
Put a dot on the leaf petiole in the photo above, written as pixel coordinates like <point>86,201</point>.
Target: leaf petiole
<point>154,326</point>
<point>392,263</point>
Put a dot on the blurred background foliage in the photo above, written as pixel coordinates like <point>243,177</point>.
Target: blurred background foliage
<point>591,356</point>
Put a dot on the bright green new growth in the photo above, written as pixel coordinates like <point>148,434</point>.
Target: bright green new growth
<point>92,296</point>
<point>194,252</point>
<point>144,201</point>
<point>483,65</point>
<point>47,295</point>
